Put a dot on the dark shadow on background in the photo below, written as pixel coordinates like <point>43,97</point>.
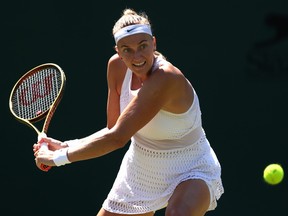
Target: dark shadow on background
<point>268,59</point>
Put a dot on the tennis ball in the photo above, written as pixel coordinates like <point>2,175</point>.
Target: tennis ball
<point>273,174</point>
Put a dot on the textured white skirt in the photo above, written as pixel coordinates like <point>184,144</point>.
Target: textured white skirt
<point>147,177</point>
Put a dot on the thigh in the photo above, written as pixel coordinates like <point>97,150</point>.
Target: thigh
<point>191,197</point>
<point>103,212</point>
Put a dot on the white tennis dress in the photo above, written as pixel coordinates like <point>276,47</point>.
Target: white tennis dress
<point>170,149</point>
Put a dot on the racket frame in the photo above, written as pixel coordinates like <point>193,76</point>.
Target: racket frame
<point>47,114</point>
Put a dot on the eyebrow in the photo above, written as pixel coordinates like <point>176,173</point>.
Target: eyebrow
<point>138,43</point>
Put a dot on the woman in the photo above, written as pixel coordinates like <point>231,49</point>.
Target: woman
<point>170,163</point>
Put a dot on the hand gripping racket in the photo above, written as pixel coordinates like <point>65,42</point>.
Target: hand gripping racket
<point>36,96</point>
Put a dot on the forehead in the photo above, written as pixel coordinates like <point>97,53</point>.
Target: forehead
<point>135,39</point>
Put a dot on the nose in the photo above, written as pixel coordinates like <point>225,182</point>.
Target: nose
<point>137,54</point>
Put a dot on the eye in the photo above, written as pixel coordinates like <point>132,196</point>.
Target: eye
<point>143,46</point>
<point>126,50</point>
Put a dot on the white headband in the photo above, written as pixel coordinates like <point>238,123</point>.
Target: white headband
<point>131,30</point>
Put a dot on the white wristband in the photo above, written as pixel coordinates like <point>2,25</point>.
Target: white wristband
<point>60,157</point>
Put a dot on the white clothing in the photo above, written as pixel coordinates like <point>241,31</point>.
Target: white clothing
<point>170,149</point>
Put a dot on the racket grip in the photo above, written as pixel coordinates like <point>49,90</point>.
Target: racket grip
<point>43,166</point>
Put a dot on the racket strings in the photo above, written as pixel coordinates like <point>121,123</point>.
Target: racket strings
<point>37,93</point>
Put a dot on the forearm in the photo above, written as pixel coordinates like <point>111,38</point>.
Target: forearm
<point>95,145</point>
<point>75,142</point>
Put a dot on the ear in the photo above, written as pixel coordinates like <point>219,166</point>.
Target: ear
<point>116,49</point>
<point>154,43</point>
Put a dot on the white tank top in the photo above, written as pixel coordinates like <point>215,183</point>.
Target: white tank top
<point>165,128</point>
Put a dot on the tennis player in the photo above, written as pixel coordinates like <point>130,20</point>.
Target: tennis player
<point>169,163</point>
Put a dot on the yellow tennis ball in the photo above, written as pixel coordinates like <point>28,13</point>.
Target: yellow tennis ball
<point>273,174</point>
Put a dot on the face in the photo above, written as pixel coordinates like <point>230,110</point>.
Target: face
<point>137,52</point>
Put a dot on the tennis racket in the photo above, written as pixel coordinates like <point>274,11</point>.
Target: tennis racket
<point>36,95</point>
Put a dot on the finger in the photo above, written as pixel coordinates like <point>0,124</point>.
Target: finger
<point>36,146</point>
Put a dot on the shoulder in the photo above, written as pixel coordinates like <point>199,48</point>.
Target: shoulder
<point>168,72</point>
<point>116,65</point>
<point>172,87</point>
<point>168,79</point>
<point>116,62</point>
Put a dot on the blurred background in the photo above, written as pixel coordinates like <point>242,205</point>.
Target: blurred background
<point>235,53</point>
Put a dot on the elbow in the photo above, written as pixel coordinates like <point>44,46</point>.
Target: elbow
<point>122,140</point>
<point>119,140</point>
<point>120,145</point>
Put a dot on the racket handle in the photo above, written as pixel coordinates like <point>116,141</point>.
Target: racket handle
<point>43,166</point>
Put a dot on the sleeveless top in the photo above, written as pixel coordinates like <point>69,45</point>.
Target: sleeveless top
<point>168,150</point>
<point>165,128</point>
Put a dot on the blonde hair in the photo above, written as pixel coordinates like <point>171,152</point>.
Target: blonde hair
<point>130,17</point>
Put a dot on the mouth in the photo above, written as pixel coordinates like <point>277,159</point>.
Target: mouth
<point>139,64</point>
